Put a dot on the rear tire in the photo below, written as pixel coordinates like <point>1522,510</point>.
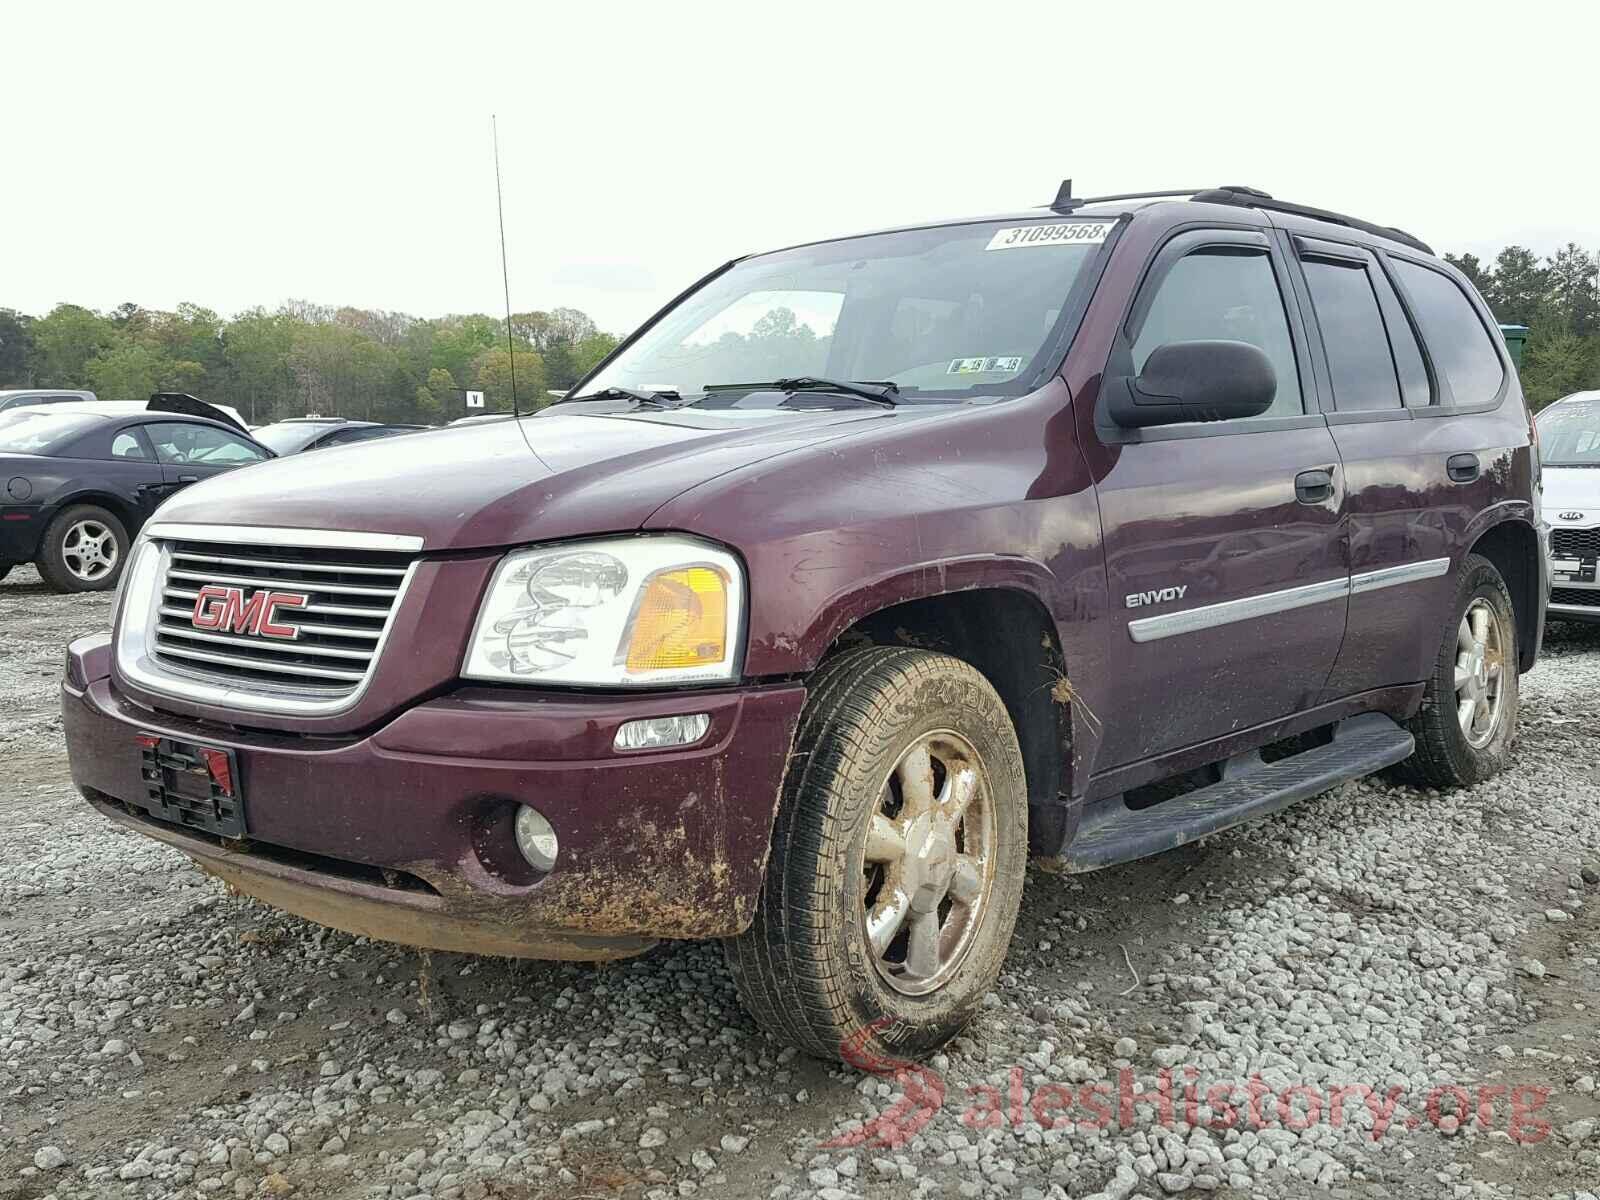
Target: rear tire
<point>83,550</point>
<point>1468,717</point>
<point>898,860</point>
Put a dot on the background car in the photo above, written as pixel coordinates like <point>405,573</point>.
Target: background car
<point>31,397</point>
<point>80,479</point>
<point>298,434</point>
<point>20,397</point>
<point>1569,449</point>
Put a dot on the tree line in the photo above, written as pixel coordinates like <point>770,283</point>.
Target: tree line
<point>303,358</point>
<point>1558,299</point>
<point>385,366</point>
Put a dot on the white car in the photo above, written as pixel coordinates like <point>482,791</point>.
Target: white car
<point>1569,449</point>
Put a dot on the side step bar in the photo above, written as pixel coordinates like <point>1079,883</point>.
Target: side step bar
<point>1249,788</point>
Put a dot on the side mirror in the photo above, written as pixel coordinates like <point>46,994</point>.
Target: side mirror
<point>1195,381</point>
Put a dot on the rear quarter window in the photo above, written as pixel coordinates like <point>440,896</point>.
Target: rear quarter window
<point>1461,348</point>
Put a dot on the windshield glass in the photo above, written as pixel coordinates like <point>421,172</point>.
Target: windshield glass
<point>41,430</point>
<point>1569,434</point>
<point>289,438</point>
<point>948,312</point>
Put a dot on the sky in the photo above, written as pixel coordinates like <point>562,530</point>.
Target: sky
<point>237,155</point>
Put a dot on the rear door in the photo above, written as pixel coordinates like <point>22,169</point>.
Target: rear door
<point>1417,467</point>
<point>1222,539</point>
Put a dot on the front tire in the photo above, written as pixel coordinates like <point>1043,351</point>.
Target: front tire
<point>898,860</point>
<point>83,550</point>
<point>1468,717</point>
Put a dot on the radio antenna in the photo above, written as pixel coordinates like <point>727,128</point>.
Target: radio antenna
<point>505,275</point>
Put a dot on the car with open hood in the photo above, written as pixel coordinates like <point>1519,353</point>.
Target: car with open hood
<point>862,571</point>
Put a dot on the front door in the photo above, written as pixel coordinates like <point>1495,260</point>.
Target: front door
<point>1223,544</point>
<point>192,452</point>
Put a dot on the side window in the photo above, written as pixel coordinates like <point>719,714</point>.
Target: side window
<point>180,443</point>
<point>126,445</point>
<point>1352,334</point>
<point>1228,294</point>
<point>1415,386</point>
<point>1457,340</point>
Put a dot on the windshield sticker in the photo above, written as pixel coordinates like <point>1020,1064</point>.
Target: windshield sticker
<point>1070,233</point>
<point>982,366</point>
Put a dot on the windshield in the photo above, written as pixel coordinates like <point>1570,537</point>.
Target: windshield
<point>288,437</point>
<point>1569,434</point>
<point>41,430</point>
<point>948,312</point>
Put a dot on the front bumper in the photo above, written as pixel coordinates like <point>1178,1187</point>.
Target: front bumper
<point>404,832</point>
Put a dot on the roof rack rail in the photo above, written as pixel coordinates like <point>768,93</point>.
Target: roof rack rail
<point>1243,197</point>
<point>1248,197</point>
<point>1065,201</point>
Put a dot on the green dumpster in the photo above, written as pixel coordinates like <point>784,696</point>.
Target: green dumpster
<point>1516,337</point>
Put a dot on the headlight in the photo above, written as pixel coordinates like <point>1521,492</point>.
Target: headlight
<point>619,612</point>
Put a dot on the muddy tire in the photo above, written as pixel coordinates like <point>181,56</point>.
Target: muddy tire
<point>83,549</point>
<point>897,863</point>
<point>1468,717</point>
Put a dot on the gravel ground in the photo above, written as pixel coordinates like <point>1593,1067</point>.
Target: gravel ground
<point>159,1037</point>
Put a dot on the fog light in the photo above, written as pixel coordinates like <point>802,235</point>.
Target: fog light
<point>536,839</point>
<point>662,731</point>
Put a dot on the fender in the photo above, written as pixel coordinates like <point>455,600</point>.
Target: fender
<point>1537,581</point>
<point>783,652</point>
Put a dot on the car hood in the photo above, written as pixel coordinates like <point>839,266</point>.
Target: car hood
<point>1571,489</point>
<point>508,482</point>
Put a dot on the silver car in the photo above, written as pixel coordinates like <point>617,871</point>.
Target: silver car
<point>1569,449</point>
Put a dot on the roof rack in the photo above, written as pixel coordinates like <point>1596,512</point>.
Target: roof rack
<point>1248,197</point>
<point>1244,197</point>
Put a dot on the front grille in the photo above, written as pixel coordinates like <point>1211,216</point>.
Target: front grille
<point>1575,543</point>
<point>350,596</point>
<point>1583,597</point>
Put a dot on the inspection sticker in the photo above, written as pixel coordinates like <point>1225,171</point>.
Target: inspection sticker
<point>1064,233</point>
<point>980,366</point>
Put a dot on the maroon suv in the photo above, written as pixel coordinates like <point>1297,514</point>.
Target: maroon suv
<point>862,570</point>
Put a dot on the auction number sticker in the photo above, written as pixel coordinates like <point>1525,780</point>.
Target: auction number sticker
<point>1061,233</point>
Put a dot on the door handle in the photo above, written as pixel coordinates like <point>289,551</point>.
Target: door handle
<point>1462,468</point>
<point>1313,487</point>
<point>188,479</point>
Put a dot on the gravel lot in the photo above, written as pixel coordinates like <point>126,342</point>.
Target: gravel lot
<point>159,1037</point>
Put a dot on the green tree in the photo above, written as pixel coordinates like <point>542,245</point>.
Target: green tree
<point>1474,270</point>
<point>63,343</point>
<point>1556,363</point>
<point>493,378</point>
<point>255,353</point>
<point>1519,289</point>
<point>129,371</point>
<point>16,347</point>
<point>1573,293</point>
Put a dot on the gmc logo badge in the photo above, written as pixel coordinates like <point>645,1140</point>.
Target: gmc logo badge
<point>227,610</point>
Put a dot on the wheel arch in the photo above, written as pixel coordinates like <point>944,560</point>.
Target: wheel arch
<point>116,505</point>
<point>1512,545</point>
<point>1007,633</point>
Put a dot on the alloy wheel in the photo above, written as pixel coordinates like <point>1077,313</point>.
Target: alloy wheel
<point>1479,675</point>
<point>89,550</point>
<point>928,863</point>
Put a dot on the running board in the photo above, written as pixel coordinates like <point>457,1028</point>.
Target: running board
<point>1249,788</point>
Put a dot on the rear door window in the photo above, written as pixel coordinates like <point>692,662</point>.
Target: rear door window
<point>1458,342</point>
<point>1353,335</point>
<point>1226,294</point>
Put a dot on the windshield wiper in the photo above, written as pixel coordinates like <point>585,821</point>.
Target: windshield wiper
<point>658,399</point>
<point>879,392</point>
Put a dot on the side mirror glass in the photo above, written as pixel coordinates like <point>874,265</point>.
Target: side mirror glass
<point>1195,381</point>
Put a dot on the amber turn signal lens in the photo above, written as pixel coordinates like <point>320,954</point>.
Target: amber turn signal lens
<point>682,620</point>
